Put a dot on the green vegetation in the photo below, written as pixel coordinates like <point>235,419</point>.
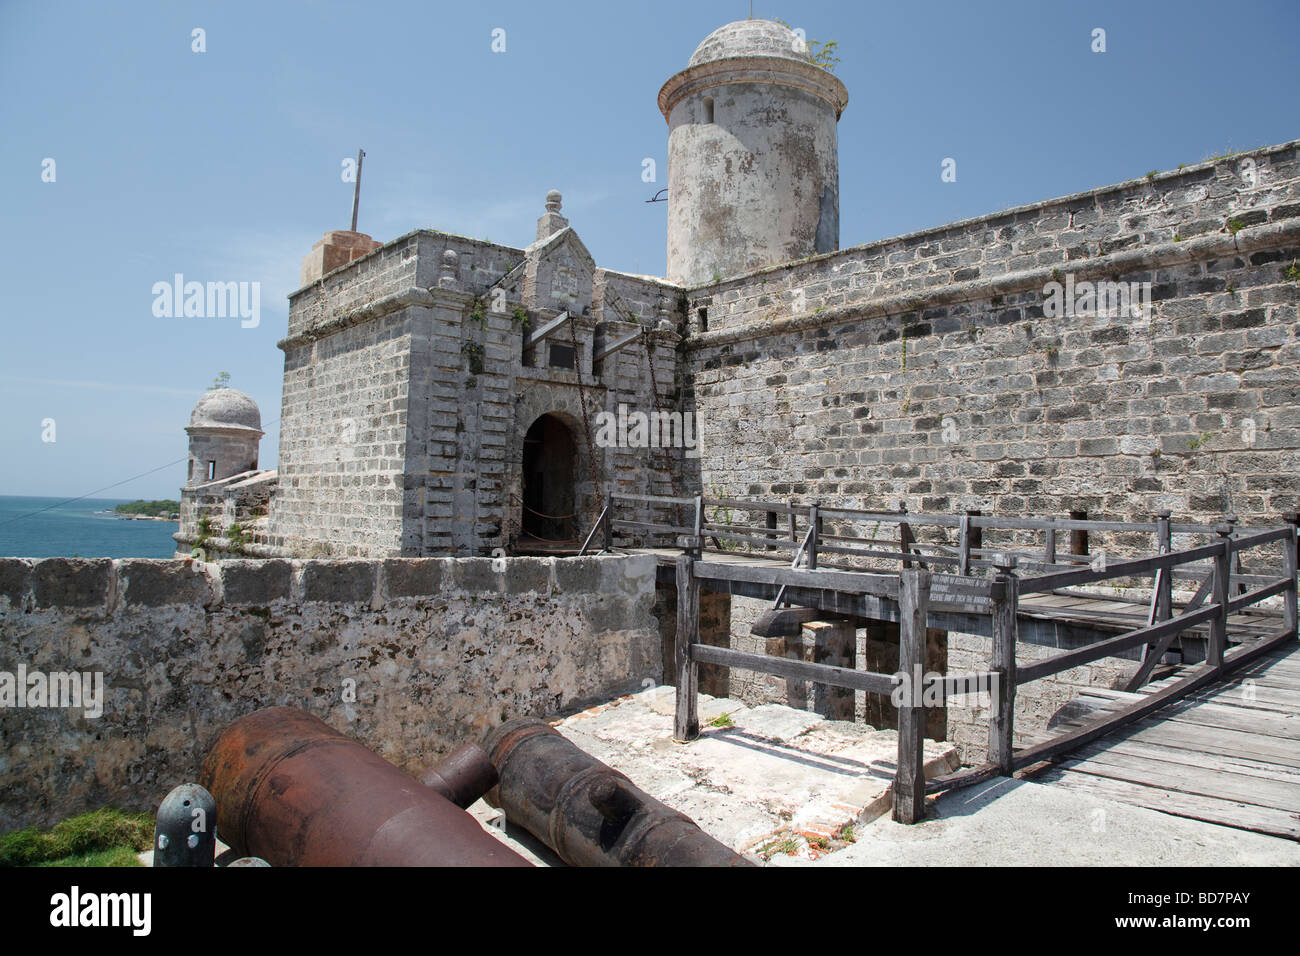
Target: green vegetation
<point>478,312</point>
<point>150,508</point>
<point>236,536</point>
<point>521,319</point>
<point>205,532</point>
<point>788,846</point>
<point>1200,441</point>
<point>821,52</point>
<point>475,352</point>
<point>1235,226</point>
<point>1293,272</point>
<point>105,837</point>
<point>722,720</point>
<point>1153,174</point>
<point>221,381</point>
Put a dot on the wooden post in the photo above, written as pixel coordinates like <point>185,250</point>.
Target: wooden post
<point>963,545</point>
<point>1290,563</point>
<point>1049,549</point>
<point>1002,723</point>
<point>1236,555</point>
<point>697,546</point>
<point>1078,539</point>
<point>794,534</point>
<point>1164,577</point>
<point>686,723</point>
<point>771,527</point>
<point>1219,623</point>
<point>976,532</point>
<point>815,523</point>
<point>909,778</point>
<point>905,538</point>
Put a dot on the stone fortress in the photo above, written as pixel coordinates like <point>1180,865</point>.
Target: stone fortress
<point>440,392</point>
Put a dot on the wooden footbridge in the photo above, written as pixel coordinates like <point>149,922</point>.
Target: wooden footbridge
<point>1208,726</point>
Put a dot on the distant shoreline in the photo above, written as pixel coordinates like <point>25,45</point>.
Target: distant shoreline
<point>116,514</point>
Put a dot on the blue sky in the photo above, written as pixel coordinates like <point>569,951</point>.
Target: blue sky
<point>225,165</point>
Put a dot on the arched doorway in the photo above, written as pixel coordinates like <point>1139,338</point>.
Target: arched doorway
<point>549,457</point>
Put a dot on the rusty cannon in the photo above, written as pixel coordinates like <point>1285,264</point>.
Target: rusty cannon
<point>295,792</point>
<point>587,812</point>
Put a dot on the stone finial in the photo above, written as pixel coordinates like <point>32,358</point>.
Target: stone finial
<point>450,266</point>
<point>551,221</point>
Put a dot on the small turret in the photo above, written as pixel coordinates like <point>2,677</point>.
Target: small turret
<point>225,432</point>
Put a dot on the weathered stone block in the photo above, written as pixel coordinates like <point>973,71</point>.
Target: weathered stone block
<point>338,581</point>
<point>413,577</point>
<point>525,575</point>
<point>15,580</point>
<point>158,583</point>
<point>72,582</point>
<point>256,582</point>
<point>578,575</point>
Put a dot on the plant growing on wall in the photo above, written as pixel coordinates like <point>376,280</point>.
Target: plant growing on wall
<point>475,353</point>
<point>521,319</point>
<point>820,52</point>
<point>237,538</point>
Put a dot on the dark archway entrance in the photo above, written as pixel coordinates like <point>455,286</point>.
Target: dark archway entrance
<point>550,455</point>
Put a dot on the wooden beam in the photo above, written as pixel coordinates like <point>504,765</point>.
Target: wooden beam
<point>909,777</point>
<point>1118,569</point>
<point>966,777</point>
<point>1002,721</point>
<point>795,669</point>
<point>622,343</point>
<point>1200,676</point>
<point>850,582</point>
<point>545,330</point>
<point>686,721</point>
<point>1290,562</point>
<point>1219,626</point>
<point>1112,646</point>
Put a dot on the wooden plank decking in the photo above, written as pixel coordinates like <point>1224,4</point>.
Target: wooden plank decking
<point>1229,754</point>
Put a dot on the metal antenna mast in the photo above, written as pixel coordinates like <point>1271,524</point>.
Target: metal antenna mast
<point>356,192</point>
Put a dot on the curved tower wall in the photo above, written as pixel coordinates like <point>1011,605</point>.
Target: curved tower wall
<point>233,451</point>
<point>753,167</point>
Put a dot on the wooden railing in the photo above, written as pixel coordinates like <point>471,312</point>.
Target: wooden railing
<point>1216,568</point>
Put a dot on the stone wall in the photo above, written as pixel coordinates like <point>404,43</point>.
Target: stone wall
<point>410,656</point>
<point>923,369</point>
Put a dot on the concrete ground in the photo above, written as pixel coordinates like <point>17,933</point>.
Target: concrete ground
<point>788,788</point>
<point>1017,823</point>
<point>764,780</point>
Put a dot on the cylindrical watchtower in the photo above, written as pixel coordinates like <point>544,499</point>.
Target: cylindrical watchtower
<point>753,166</point>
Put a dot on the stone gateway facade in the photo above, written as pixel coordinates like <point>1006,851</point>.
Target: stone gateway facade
<point>1119,352</point>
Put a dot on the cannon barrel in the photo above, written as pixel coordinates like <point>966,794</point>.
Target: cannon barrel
<point>295,792</point>
<point>588,812</point>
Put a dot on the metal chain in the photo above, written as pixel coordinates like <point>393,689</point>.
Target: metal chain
<point>586,424</point>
